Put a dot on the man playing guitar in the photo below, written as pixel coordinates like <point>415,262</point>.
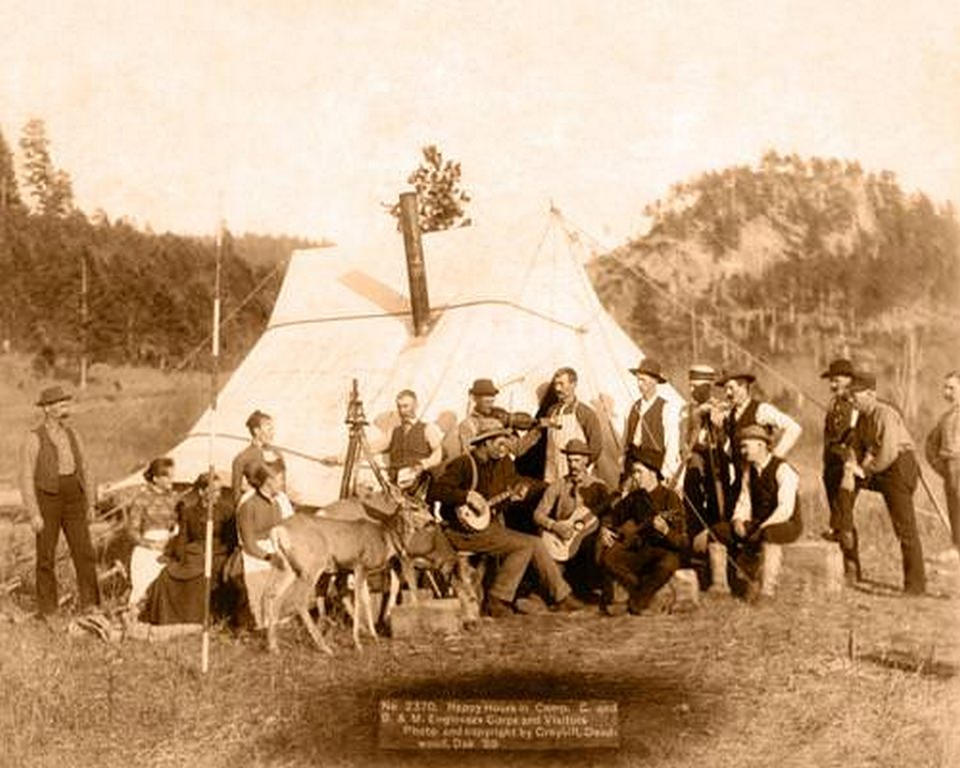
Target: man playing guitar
<point>644,536</point>
<point>483,473</point>
<point>568,514</point>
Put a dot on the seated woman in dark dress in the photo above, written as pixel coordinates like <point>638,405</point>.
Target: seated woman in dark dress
<point>177,595</point>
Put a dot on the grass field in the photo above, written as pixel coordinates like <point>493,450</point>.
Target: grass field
<point>127,416</point>
<point>805,681</point>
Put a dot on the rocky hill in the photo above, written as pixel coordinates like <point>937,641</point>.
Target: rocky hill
<point>772,252</point>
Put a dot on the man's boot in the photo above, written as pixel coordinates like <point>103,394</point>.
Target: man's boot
<point>718,569</point>
<point>772,559</point>
<point>849,546</point>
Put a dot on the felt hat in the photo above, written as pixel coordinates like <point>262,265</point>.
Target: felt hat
<point>651,458</point>
<point>651,367</point>
<point>483,387</point>
<point>576,447</point>
<point>731,375</point>
<point>754,432</point>
<point>863,380</point>
<point>51,395</point>
<point>488,432</point>
<point>839,367</point>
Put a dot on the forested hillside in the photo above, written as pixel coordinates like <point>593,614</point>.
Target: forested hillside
<point>792,256</point>
<point>148,296</point>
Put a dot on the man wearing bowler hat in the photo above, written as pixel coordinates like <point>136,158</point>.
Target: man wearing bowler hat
<point>746,410</point>
<point>58,494</point>
<point>838,427</point>
<point>653,422</point>
<point>888,465</point>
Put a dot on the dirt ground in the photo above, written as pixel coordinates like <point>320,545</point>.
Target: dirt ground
<point>867,678</point>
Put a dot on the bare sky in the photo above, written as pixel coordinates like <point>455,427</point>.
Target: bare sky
<point>301,116</point>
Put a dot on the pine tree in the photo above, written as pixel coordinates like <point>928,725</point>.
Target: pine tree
<point>9,193</point>
<point>441,200</point>
<point>50,187</point>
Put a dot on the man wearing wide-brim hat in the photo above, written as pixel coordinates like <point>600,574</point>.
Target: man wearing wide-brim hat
<point>571,509</point>
<point>487,472</point>
<point>746,410</point>
<point>644,537</point>
<point>59,494</point>
<point>767,513</point>
<point>653,422</point>
<point>838,430</point>
<point>703,447</point>
<point>888,464</point>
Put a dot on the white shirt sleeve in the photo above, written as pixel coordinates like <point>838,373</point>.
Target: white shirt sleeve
<point>671,438</point>
<point>788,483</point>
<point>435,440</point>
<point>770,415</point>
<point>742,509</point>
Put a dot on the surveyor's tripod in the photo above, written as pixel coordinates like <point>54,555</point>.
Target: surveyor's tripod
<point>357,447</point>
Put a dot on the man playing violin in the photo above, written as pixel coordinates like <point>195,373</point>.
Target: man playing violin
<point>465,489</point>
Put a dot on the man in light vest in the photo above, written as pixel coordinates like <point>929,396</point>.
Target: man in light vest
<point>569,419</point>
<point>59,494</point>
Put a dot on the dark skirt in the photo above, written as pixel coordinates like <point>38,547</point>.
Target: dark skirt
<point>177,595</point>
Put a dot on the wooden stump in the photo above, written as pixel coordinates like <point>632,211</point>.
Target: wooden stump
<point>680,594</point>
<point>816,565</point>
<point>443,616</point>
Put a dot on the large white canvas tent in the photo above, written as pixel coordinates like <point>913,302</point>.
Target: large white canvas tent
<point>512,305</point>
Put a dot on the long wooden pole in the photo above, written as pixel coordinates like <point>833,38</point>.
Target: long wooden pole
<point>212,490</point>
<point>83,320</point>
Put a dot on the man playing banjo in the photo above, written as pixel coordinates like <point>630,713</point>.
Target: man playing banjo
<point>470,485</point>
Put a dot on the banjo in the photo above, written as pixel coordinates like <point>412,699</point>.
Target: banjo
<point>479,519</point>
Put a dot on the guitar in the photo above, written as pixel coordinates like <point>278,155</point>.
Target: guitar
<point>560,549</point>
<point>478,520</point>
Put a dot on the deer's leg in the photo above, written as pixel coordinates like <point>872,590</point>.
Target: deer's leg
<point>309,582</point>
<point>391,600</point>
<point>410,577</point>
<point>359,581</point>
<point>321,600</point>
<point>368,606</point>
<point>280,581</point>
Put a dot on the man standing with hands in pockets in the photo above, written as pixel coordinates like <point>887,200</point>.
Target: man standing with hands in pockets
<point>58,494</point>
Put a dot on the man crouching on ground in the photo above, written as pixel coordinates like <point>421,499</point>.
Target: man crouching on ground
<point>470,480</point>
<point>767,514</point>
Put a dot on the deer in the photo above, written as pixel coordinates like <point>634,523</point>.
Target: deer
<point>311,545</point>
